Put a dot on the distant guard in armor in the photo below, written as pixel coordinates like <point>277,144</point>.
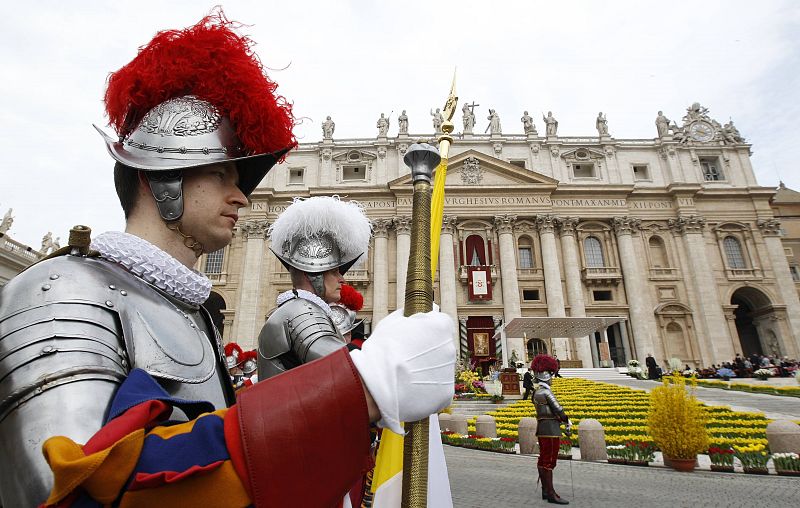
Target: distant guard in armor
<point>317,239</point>
<point>344,315</point>
<point>549,416</point>
<point>110,364</point>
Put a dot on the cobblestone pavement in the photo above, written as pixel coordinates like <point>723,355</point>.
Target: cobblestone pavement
<point>485,479</point>
<point>773,406</point>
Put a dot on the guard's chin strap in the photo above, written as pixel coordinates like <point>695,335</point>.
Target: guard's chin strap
<point>317,281</point>
<point>188,240</point>
<point>167,189</point>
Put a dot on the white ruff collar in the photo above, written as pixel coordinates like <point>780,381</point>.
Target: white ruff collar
<point>305,295</point>
<point>153,265</point>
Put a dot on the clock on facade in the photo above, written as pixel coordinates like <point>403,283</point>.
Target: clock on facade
<point>701,131</point>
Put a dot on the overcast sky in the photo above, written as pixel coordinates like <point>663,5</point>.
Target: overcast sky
<point>355,60</point>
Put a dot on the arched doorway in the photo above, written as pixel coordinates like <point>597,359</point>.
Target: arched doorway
<point>535,347</point>
<point>751,303</point>
<point>215,305</point>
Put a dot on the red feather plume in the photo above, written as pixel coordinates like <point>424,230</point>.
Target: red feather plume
<point>351,298</point>
<point>230,347</point>
<point>208,60</point>
<point>544,363</point>
<point>248,355</point>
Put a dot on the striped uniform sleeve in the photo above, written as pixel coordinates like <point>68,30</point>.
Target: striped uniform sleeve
<point>226,458</point>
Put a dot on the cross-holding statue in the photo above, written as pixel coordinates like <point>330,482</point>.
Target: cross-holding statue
<point>468,117</point>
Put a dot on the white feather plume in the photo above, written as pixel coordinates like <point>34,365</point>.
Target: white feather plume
<point>345,221</point>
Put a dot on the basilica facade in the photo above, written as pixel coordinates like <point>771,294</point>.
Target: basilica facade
<point>671,235</point>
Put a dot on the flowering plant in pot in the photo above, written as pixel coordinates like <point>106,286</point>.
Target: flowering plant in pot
<point>565,449</point>
<point>725,373</point>
<point>640,453</point>
<point>786,464</point>
<point>762,374</point>
<point>721,458</point>
<point>754,458</point>
<point>616,454</point>
<point>677,423</point>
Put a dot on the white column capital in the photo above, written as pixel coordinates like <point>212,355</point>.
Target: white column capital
<point>625,225</point>
<point>402,224</point>
<point>449,223</point>
<point>380,227</point>
<point>769,227</point>
<point>567,225</point>
<point>546,223</point>
<point>505,223</point>
<point>687,224</point>
<point>254,228</point>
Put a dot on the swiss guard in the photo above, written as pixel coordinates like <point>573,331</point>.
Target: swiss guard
<point>549,416</point>
<point>317,239</point>
<point>114,388</point>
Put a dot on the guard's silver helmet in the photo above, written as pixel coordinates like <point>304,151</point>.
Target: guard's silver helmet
<point>318,234</point>
<point>344,318</point>
<point>187,132</point>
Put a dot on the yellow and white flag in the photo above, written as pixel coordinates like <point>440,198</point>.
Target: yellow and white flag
<point>387,480</point>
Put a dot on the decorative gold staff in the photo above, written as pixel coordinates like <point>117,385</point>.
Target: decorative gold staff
<point>422,158</point>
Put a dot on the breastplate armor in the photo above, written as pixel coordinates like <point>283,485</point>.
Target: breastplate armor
<point>549,412</point>
<point>71,328</point>
<point>296,332</point>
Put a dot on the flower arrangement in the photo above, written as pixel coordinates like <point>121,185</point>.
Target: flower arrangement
<point>689,373</point>
<point>721,458</point>
<point>787,463</point>
<point>497,398</point>
<point>676,421</point>
<point>640,452</point>
<point>634,368</point>
<point>623,413</point>
<point>500,444</point>
<point>762,374</point>
<point>565,448</point>
<point>616,454</point>
<point>754,458</point>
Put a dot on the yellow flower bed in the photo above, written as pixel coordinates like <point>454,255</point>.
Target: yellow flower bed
<point>623,413</point>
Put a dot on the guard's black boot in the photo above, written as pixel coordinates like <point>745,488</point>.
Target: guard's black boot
<point>541,479</point>
<point>552,497</point>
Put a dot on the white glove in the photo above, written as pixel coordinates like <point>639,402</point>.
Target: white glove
<point>408,366</point>
<point>568,426</point>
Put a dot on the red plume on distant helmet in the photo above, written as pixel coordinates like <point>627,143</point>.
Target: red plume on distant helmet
<point>351,298</point>
<point>212,62</point>
<point>230,347</point>
<point>544,363</point>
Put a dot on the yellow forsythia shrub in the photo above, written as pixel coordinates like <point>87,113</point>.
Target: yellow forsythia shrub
<point>676,421</point>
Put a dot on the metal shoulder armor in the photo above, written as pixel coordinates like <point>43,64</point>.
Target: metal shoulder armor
<point>295,333</point>
<point>71,328</point>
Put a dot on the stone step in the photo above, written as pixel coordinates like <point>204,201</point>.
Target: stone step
<point>597,374</point>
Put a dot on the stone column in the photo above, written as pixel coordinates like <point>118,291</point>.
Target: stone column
<point>248,322</point>
<point>638,294</point>
<point>508,266</point>
<point>447,272</point>
<point>709,307</point>
<point>546,224</point>
<point>771,230</point>
<point>402,228</point>
<point>572,273</point>
<point>380,269</point>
